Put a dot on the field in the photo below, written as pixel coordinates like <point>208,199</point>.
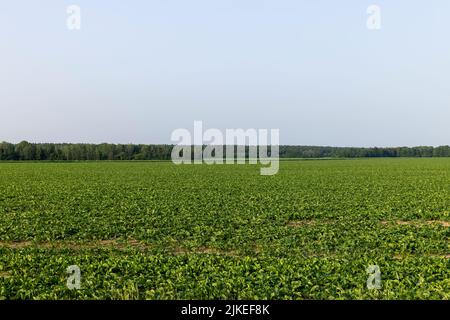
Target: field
<point>153,230</point>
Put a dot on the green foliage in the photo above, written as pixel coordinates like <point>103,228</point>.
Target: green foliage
<point>154,230</point>
<point>66,151</point>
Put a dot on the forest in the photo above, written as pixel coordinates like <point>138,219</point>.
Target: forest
<point>80,151</point>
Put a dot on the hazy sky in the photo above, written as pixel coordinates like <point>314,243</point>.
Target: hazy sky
<point>137,70</point>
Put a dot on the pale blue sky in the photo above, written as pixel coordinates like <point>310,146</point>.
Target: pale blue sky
<point>137,70</point>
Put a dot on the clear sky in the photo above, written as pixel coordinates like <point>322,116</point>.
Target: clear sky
<point>137,70</point>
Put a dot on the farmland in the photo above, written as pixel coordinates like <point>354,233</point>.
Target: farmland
<point>153,230</point>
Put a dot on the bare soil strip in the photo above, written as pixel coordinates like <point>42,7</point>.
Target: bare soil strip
<point>401,257</point>
<point>138,245</point>
<point>418,223</point>
<point>205,250</point>
<point>107,244</point>
<point>95,244</point>
<point>309,222</point>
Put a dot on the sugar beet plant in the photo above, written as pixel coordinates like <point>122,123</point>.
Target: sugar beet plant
<point>153,230</point>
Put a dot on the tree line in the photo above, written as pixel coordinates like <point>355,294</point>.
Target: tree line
<point>78,151</point>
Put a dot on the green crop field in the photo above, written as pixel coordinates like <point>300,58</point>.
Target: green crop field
<point>153,230</point>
